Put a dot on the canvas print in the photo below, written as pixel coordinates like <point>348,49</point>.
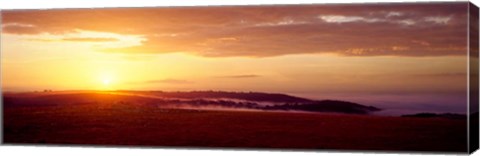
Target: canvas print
<point>375,77</point>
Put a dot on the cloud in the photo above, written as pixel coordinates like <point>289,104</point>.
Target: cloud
<point>76,39</point>
<point>406,22</point>
<point>393,14</point>
<point>21,29</point>
<point>438,19</point>
<point>90,39</point>
<point>165,81</point>
<point>411,29</point>
<point>459,74</point>
<point>41,40</point>
<point>240,76</point>
<point>345,19</point>
<point>285,21</point>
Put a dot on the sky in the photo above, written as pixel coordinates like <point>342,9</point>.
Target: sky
<point>410,56</point>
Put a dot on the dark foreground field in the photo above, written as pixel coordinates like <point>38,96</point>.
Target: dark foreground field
<point>131,124</point>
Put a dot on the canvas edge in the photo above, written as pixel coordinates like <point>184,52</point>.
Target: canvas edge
<point>247,5</point>
<point>472,147</point>
<point>1,82</point>
<point>473,78</point>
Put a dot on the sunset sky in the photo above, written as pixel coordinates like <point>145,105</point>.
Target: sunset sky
<point>404,56</point>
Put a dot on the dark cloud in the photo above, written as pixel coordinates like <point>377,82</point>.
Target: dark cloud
<point>20,29</point>
<point>166,81</point>
<point>459,74</point>
<point>408,29</point>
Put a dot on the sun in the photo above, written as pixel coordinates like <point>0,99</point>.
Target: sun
<point>106,81</point>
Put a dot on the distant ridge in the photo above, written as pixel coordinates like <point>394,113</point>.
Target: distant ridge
<point>250,96</point>
<point>192,99</point>
<point>435,115</point>
<point>327,106</point>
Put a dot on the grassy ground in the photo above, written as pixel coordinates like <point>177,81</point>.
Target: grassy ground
<point>140,125</point>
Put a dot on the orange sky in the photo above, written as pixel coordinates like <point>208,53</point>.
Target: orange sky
<point>315,50</point>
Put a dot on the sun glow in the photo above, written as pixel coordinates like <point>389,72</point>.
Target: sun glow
<point>106,81</point>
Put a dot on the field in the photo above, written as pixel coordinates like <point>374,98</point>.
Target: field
<point>113,123</point>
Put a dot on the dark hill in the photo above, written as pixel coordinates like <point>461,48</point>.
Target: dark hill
<point>435,115</point>
<point>194,100</point>
<point>249,96</point>
<point>327,106</point>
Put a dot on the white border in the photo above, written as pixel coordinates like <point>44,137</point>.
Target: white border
<point>468,78</point>
<point>42,4</point>
<point>82,151</point>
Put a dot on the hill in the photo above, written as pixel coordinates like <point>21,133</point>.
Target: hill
<point>435,115</point>
<point>191,100</point>
<point>249,96</point>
